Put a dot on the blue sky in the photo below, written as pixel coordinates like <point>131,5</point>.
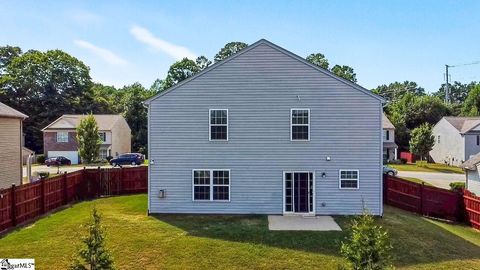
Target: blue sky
<point>128,41</point>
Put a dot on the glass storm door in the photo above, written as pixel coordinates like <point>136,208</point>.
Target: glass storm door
<point>298,192</point>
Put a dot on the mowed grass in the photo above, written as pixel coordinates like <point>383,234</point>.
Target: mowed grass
<point>427,167</point>
<point>139,241</point>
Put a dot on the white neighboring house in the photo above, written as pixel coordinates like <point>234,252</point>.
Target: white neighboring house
<point>457,139</point>
<point>472,173</point>
<point>389,145</point>
<point>59,138</point>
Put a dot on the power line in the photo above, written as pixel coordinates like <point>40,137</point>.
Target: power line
<point>447,90</point>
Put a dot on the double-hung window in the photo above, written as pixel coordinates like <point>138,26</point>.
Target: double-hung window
<point>103,136</point>
<point>62,136</point>
<point>211,185</point>
<point>218,124</point>
<point>300,124</point>
<point>349,179</point>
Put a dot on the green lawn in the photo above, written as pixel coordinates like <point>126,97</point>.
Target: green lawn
<point>139,241</point>
<point>427,167</point>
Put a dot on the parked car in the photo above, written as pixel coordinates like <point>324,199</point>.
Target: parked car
<point>127,159</point>
<point>390,171</point>
<point>57,161</point>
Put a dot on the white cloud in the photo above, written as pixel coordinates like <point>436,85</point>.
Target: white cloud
<point>105,54</point>
<point>175,51</point>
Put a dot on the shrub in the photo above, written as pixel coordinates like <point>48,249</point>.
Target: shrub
<point>40,159</point>
<point>368,245</point>
<point>403,160</point>
<point>457,186</point>
<point>43,175</point>
<point>396,161</point>
<point>422,164</point>
<point>94,255</point>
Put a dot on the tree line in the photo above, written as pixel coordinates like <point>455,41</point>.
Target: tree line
<point>46,85</point>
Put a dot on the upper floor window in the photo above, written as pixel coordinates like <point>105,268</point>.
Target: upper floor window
<point>103,136</point>
<point>349,179</point>
<point>438,139</point>
<point>62,136</point>
<point>300,124</point>
<point>218,124</point>
<point>478,139</point>
<point>387,135</point>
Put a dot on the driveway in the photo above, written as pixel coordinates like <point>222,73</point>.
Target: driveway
<point>53,169</point>
<point>441,180</point>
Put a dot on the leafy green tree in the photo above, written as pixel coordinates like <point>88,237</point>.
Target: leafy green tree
<point>7,54</point>
<point>202,62</point>
<point>318,59</point>
<point>458,91</point>
<point>471,107</point>
<point>95,255</point>
<point>229,49</point>
<point>396,90</point>
<point>368,246</point>
<point>88,139</point>
<point>180,71</point>
<point>45,85</point>
<point>105,99</point>
<point>422,140</point>
<point>345,72</point>
<point>135,114</point>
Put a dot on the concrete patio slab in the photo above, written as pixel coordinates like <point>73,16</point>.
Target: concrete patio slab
<point>302,223</point>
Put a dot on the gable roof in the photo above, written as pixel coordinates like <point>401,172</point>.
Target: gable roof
<point>278,48</point>
<point>471,163</point>
<point>386,124</point>
<point>6,111</point>
<point>463,124</point>
<point>71,121</point>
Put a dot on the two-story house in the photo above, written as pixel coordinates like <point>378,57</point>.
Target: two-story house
<point>457,139</point>
<point>11,137</point>
<point>59,137</point>
<point>265,132</point>
<point>389,145</point>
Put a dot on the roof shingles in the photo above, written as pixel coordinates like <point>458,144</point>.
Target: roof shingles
<point>69,121</point>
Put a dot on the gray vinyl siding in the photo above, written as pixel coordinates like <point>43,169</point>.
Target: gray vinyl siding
<point>259,88</point>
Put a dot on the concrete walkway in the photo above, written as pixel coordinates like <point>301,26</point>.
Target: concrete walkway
<point>302,223</point>
<point>441,180</point>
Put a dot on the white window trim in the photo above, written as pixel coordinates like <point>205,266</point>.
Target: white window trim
<point>63,132</point>
<point>210,124</point>
<point>211,185</point>
<point>291,124</point>
<point>340,179</point>
<point>105,135</point>
<point>292,213</point>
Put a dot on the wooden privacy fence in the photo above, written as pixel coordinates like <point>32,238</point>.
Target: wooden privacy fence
<point>23,203</point>
<point>472,209</point>
<point>422,199</point>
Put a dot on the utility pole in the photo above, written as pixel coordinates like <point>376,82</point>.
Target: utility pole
<point>447,94</point>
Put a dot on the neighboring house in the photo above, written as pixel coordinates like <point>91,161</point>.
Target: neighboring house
<point>389,145</point>
<point>456,140</point>
<point>11,135</point>
<point>472,171</point>
<point>265,132</point>
<point>59,138</point>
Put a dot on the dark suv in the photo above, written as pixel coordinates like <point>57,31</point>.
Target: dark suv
<point>127,159</point>
<point>57,161</point>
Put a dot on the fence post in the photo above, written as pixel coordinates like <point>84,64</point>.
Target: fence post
<point>14,207</point>
<point>42,196</point>
<point>421,198</point>
<point>120,182</point>
<point>65,188</point>
<point>385,188</point>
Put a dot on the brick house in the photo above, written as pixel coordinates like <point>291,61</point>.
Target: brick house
<point>59,137</point>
